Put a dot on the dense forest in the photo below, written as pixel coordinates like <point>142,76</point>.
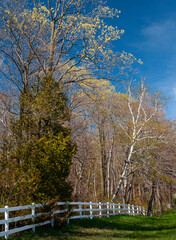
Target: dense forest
<point>74,122</point>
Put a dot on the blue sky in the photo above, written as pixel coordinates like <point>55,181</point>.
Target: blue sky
<point>150,34</point>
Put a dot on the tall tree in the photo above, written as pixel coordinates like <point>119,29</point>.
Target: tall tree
<point>142,109</point>
<point>39,147</point>
<point>43,46</point>
<point>62,38</point>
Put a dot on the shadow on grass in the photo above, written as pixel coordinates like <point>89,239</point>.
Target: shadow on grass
<point>125,223</point>
<point>119,235</point>
<point>124,227</point>
<point>118,227</point>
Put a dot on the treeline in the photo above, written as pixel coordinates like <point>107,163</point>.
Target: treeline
<point>66,130</point>
<point>125,146</point>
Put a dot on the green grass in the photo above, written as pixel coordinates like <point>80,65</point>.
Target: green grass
<point>118,227</point>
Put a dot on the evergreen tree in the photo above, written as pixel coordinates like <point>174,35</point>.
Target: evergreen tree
<point>40,145</point>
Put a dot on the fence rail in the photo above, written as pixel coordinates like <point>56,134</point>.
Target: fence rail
<point>73,210</point>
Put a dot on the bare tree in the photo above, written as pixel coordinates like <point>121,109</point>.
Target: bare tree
<point>140,114</point>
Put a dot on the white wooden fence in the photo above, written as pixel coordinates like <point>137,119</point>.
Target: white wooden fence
<point>74,210</point>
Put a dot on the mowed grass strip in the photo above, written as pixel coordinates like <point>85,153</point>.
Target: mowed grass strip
<point>118,227</point>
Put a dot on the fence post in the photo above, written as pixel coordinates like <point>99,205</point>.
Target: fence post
<point>137,210</point>
<point>80,210</point>
<point>90,210</point>
<point>107,209</point>
<point>133,210</point>
<point>114,209</point>
<point>7,222</point>
<point>100,212</point>
<point>68,220</point>
<point>129,209</point>
<point>119,208</point>
<point>140,211</point>
<point>33,216</point>
<point>124,207</point>
<point>143,211</point>
<point>52,219</point>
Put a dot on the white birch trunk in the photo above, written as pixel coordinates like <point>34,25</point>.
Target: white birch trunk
<point>124,172</point>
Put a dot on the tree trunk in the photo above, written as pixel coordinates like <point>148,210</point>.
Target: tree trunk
<point>152,198</point>
<point>125,189</point>
<point>95,191</point>
<point>103,160</point>
<point>129,189</point>
<point>170,196</point>
<point>108,169</point>
<point>51,47</point>
<point>123,173</point>
<point>160,199</point>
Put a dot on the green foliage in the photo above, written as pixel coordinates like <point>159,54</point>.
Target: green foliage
<point>39,146</point>
<point>46,167</point>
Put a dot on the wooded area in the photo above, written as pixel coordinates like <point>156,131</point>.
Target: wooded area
<point>74,124</point>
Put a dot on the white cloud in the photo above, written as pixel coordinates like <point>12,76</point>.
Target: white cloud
<point>157,45</point>
<point>160,34</point>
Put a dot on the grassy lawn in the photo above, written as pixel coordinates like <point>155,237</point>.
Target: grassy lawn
<point>118,227</point>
